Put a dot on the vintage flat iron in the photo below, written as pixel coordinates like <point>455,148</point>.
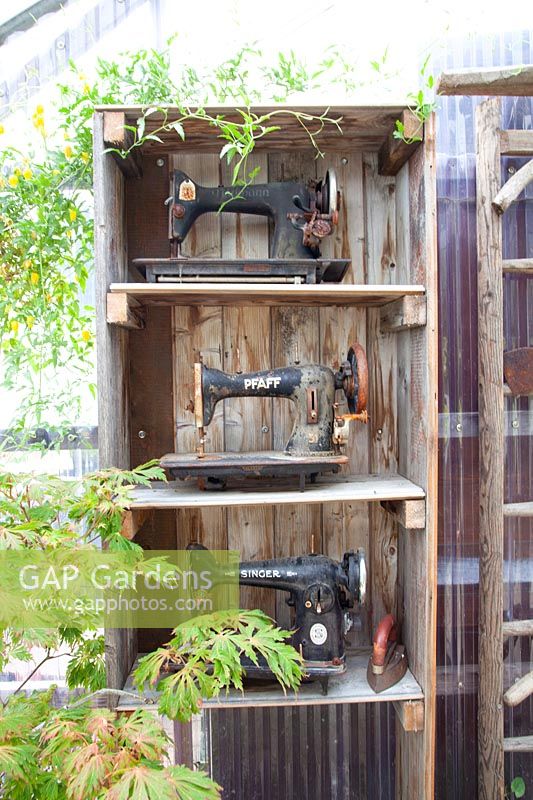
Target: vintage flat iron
<point>388,662</point>
<point>302,217</point>
<point>319,434</point>
<point>321,592</point>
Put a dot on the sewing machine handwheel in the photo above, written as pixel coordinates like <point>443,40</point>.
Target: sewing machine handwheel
<point>328,203</point>
<point>357,388</point>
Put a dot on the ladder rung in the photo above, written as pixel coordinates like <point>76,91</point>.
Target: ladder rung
<point>516,143</point>
<point>518,509</point>
<point>518,265</point>
<point>518,627</point>
<point>516,744</point>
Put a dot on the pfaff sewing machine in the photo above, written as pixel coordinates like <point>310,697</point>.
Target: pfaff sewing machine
<point>321,592</point>
<point>319,434</point>
<point>302,217</point>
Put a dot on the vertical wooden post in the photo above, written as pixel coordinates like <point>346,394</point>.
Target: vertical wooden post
<point>112,357</point>
<point>491,453</point>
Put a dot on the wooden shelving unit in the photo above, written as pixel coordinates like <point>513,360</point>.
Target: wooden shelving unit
<point>149,335</point>
<point>352,687</point>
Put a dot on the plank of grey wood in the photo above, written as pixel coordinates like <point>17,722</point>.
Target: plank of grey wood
<point>516,143</point>
<point>362,126</point>
<point>322,294</point>
<point>518,627</point>
<point>345,525</point>
<point>295,340</point>
<point>519,691</point>
<point>518,744</point>
<point>491,453</point>
<point>514,187</point>
<point>512,81</point>
<point>381,352</point>
<point>396,151</point>
<point>518,509</point>
<point>417,379</point>
<point>248,420</point>
<point>198,330</point>
<point>351,687</point>
<point>112,357</point>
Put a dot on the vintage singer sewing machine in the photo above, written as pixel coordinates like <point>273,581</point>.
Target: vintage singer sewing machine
<point>319,434</point>
<point>321,592</point>
<point>302,217</point>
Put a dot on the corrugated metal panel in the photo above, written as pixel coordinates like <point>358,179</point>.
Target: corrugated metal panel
<point>335,752</point>
<point>458,501</point>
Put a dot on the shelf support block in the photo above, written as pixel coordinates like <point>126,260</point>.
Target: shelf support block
<point>403,314</point>
<point>133,520</point>
<point>124,310</point>
<point>410,714</point>
<point>411,514</point>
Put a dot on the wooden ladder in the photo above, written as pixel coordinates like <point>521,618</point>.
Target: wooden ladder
<point>491,202</point>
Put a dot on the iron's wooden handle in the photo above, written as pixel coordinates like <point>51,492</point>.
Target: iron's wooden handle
<point>385,632</point>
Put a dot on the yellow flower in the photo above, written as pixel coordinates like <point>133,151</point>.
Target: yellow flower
<point>27,263</point>
<point>86,335</point>
<point>69,233</point>
<point>2,130</point>
<point>34,277</point>
<point>27,174</point>
<point>67,151</point>
<point>30,321</point>
<point>39,109</point>
<point>85,157</point>
<point>38,122</point>
<point>13,181</point>
<point>86,88</point>
<point>72,214</point>
<point>56,172</point>
<point>14,325</point>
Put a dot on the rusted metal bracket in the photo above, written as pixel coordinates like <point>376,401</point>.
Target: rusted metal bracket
<point>124,310</point>
<point>411,514</point>
<point>394,151</point>
<point>410,714</point>
<point>403,314</point>
<point>116,135</point>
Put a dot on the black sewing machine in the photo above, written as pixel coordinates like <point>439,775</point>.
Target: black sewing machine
<point>319,434</point>
<point>321,592</point>
<point>302,217</point>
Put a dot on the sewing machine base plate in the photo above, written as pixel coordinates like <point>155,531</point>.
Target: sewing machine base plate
<point>214,469</point>
<point>227,270</point>
<point>259,674</point>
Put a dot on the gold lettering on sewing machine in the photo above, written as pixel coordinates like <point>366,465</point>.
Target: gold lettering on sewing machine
<point>187,191</point>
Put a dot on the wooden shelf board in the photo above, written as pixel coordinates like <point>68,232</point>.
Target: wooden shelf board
<point>322,294</point>
<point>361,127</point>
<point>352,687</point>
<point>362,488</point>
